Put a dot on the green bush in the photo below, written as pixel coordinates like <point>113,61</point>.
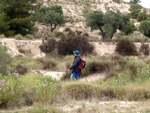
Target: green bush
<point>74,42</point>
<point>142,16</point>
<point>126,47</point>
<point>11,91</point>
<point>5,59</point>
<point>135,9</point>
<point>144,27</point>
<point>19,37</point>
<point>48,45</point>
<point>29,36</point>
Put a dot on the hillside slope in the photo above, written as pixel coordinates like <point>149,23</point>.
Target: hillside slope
<point>75,11</point>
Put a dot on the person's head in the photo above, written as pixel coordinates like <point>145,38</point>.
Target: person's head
<point>76,52</point>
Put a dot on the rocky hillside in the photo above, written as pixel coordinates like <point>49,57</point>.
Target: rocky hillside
<point>75,11</point>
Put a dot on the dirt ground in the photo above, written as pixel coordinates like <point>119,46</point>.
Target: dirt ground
<point>95,106</point>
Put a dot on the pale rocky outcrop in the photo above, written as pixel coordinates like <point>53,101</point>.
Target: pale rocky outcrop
<point>30,45</point>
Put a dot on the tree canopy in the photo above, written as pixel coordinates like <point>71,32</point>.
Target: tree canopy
<point>52,15</point>
<point>16,16</point>
<point>109,22</point>
<point>135,9</point>
<point>135,1</point>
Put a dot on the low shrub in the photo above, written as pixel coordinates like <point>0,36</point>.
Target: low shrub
<point>145,49</point>
<point>29,37</point>
<point>98,67</point>
<point>59,35</point>
<point>126,47</point>
<point>78,90</point>
<point>74,42</point>
<point>19,37</point>
<point>118,59</point>
<point>48,45</point>
<point>48,63</point>
<point>22,69</point>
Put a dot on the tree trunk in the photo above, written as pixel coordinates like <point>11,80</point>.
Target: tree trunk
<point>103,33</point>
<point>53,27</point>
<point>111,35</point>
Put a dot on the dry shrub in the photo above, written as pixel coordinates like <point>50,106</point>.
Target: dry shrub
<point>59,35</point>
<point>145,49</point>
<point>48,63</point>
<point>126,47</point>
<point>22,69</point>
<point>98,67</point>
<point>72,42</point>
<point>48,45</point>
<point>68,29</point>
<point>118,59</point>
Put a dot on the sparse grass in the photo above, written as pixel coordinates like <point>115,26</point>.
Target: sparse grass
<point>133,38</point>
<point>40,108</point>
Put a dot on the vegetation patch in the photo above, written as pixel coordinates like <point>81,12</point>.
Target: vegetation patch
<point>126,47</point>
<point>88,91</point>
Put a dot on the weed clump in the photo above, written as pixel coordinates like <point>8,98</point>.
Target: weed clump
<point>48,45</point>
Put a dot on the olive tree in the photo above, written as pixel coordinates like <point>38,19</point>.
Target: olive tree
<point>53,16</point>
<point>109,22</point>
